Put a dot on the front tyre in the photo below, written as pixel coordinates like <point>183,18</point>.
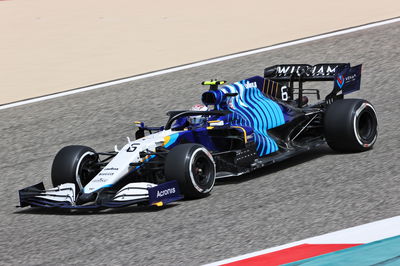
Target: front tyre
<point>350,125</point>
<point>74,164</point>
<point>193,167</point>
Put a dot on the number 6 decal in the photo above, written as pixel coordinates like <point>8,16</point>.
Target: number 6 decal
<point>284,93</point>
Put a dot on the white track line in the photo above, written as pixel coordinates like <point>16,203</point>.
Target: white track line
<point>361,234</point>
<point>201,63</point>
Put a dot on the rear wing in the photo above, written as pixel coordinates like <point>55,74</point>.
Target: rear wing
<point>304,72</point>
<point>346,79</point>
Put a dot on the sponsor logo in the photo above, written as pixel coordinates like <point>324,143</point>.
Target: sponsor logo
<point>315,71</point>
<point>348,78</point>
<point>99,180</point>
<point>351,77</point>
<point>249,85</point>
<point>111,169</point>
<point>165,192</point>
<point>340,81</point>
<point>283,71</point>
<point>323,70</point>
<point>106,173</point>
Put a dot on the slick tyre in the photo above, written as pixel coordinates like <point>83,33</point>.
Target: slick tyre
<point>74,164</point>
<point>350,125</point>
<point>193,167</point>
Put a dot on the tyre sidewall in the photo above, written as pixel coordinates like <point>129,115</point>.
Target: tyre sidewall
<point>67,163</point>
<point>341,125</point>
<point>178,166</point>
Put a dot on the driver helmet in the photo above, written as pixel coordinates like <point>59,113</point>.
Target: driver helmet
<point>197,120</point>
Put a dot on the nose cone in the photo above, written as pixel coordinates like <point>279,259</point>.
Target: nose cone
<point>86,197</point>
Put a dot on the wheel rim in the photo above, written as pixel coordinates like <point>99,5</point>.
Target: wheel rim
<point>365,126</point>
<point>86,169</point>
<point>202,170</point>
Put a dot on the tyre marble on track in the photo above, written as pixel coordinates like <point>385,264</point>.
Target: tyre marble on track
<point>309,195</point>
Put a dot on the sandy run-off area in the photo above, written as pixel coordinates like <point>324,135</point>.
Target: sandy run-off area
<point>50,46</point>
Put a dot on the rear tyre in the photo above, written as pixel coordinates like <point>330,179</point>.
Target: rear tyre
<point>74,164</point>
<point>193,167</point>
<point>350,125</point>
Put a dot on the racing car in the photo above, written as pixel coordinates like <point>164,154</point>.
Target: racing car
<point>240,127</point>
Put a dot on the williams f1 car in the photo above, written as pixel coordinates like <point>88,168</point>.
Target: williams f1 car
<point>245,125</point>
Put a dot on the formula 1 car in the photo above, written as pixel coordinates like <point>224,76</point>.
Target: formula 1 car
<point>249,124</point>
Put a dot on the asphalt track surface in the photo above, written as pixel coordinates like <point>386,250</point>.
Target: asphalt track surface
<point>312,194</point>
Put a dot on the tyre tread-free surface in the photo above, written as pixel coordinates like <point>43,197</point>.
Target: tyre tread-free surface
<point>178,166</point>
<point>347,121</point>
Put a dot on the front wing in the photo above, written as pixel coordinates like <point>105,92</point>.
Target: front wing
<point>64,196</point>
